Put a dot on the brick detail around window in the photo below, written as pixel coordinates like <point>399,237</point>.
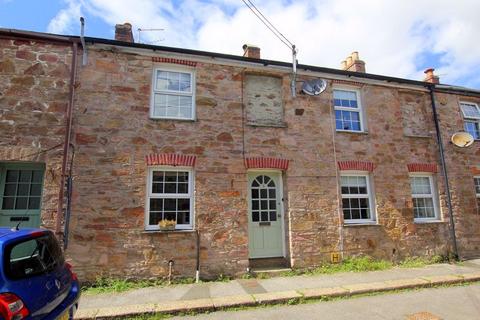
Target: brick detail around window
<point>174,61</point>
<point>266,163</point>
<point>351,83</point>
<point>422,167</point>
<point>356,165</point>
<point>170,159</point>
<point>476,170</point>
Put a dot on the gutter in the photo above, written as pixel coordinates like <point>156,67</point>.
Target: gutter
<point>264,62</point>
<point>14,33</point>
<point>432,90</point>
<point>274,63</point>
<point>457,90</point>
<point>66,145</point>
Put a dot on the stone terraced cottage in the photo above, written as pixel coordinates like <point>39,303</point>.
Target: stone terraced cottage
<point>251,175</point>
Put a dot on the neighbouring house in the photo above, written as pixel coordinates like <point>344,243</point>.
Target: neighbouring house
<point>35,82</point>
<point>251,175</point>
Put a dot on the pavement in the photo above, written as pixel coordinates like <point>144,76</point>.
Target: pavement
<point>213,296</point>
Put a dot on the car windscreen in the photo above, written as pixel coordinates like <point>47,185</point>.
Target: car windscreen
<point>33,256</point>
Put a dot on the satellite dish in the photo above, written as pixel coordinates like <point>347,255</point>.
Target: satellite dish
<point>462,139</point>
<point>314,87</point>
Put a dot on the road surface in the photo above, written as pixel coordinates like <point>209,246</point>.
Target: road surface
<point>455,303</point>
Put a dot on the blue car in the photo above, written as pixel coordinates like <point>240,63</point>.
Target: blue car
<point>35,280</point>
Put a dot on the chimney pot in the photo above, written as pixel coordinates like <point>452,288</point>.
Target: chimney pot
<point>251,51</point>
<point>123,32</point>
<point>349,61</point>
<point>430,76</point>
<point>353,63</point>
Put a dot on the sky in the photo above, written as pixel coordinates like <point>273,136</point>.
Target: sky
<point>394,38</point>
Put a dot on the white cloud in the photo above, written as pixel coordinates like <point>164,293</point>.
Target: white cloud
<point>391,36</point>
<point>66,18</point>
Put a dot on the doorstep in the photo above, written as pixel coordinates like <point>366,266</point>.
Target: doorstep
<point>268,263</point>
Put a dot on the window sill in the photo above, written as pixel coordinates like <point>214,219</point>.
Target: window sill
<point>171,119</point>
<point>268,125</point>
<point>417,136</point>
<point>361,224</point>
<point>168,231</point>
<point>352,132</point>
<point>429,221</point>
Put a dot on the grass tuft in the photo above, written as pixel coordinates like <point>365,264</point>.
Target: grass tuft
<point>357,264</point>
<point>419,262</point>
<point>116,285</point>
<point>350,264</point>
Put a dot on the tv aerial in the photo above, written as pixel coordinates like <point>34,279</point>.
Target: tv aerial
<point>140,30</point>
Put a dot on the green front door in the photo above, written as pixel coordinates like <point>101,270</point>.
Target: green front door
<point>21,187</point>
<point>265,221</point>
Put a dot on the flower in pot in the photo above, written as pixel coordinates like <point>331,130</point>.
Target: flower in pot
<point>167,225</point>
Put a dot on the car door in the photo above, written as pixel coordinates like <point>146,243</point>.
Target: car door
<point>36,272</point>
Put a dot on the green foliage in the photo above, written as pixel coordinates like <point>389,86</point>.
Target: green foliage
<point>357,264</point>
<point>223,278</point>
<point>294,301</point>
<point>419,262</point>
<point>262,275</point>
<point>109,285</point>
<point>350,264</point>
<point>157,316</point>
<point>413,262</point>
<point>363,264</point>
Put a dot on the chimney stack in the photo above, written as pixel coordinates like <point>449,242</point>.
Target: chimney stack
<point>353,63</point>
<point>251,51</point>
<point>123,32</point>
<point>430,76</point>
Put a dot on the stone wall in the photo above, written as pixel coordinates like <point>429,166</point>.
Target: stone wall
<point>114,134</point>
<point>34,87</point>
<point>462,166</point>
<point>263,100</point>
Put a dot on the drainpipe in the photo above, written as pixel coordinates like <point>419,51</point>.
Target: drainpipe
<point>66,145</point>
<point>197,273</point>
<point>68,212</point>
<point>82,41</point>
<point>444,169</point>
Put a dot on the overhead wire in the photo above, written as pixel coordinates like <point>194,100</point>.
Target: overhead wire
<point>268,24</point>
<point>271,24</point>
